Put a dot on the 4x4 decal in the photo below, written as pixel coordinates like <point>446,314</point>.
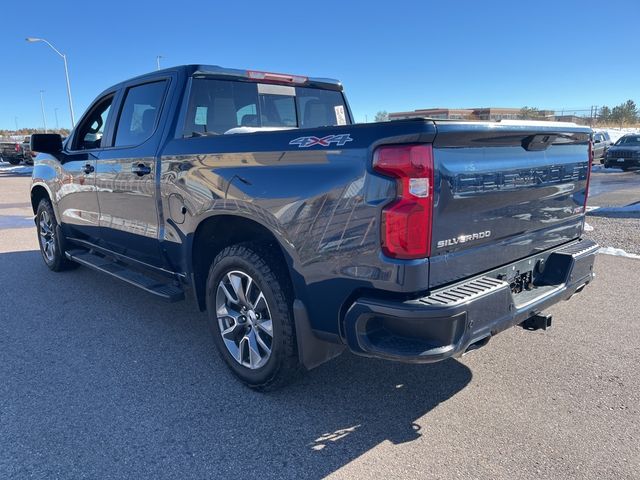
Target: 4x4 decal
<point>339,140</point>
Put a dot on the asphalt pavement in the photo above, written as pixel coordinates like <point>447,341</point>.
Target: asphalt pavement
<point>100,380</point>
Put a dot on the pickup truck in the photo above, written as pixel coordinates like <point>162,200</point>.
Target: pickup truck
<point>302,234</point>
<point>27,154</point>
<point>13,152</point>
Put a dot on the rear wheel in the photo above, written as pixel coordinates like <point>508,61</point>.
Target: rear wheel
<point>14,161</point>
<point>50,238</point>
<point>250,317</point>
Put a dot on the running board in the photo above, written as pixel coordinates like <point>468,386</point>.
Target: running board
<point>166,291</point>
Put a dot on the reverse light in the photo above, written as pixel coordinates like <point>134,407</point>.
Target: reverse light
<point>276,77</point>
<point>407,220</point>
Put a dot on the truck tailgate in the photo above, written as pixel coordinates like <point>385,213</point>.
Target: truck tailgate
<point>504,192</point>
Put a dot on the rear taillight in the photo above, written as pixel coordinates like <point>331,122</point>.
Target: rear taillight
<point>586,188</point>
<point>17,147</point>
<point>406,222</point>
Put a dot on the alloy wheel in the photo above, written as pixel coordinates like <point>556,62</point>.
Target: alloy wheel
<point>244,319</point>
<point>47,236</point>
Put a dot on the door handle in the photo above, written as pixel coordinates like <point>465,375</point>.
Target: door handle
<point>141,169</point>
<point>88,168</point>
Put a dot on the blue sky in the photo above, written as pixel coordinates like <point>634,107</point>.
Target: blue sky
<point>392,56</point>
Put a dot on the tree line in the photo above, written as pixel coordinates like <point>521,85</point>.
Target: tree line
<point>626,113</point>
<point>28,131</point>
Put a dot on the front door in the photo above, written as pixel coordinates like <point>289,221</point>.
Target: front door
<point>77,197</point>
<point>126,176</point>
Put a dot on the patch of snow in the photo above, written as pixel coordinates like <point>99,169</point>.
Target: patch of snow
<point>256,129</point>
<point>587,227</point>
<point>616,133</point>
<point>634,207</point>
<point>618,252</point>
<point>23,169</point>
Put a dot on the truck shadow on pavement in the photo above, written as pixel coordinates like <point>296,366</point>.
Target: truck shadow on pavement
<point>102,380</point>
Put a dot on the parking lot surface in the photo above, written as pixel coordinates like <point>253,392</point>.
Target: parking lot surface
<point>100,380</point>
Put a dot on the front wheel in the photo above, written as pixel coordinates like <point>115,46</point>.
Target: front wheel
<point>250,317</point>
<point>50,239</point>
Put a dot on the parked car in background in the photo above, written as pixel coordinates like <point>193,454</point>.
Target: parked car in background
<point>27,154</point>
<point>601,143</point>
<point>301,233</point>
<point>12,152</point>
<point>625,153</point>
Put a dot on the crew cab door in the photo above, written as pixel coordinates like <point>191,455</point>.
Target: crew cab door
<point>77,196</point>
<point>126,174</point>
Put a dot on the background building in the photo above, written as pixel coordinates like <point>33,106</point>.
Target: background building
<point>483,113</point>
<point>444,113</point>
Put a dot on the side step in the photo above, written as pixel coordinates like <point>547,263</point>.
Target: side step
<point>166,291</point>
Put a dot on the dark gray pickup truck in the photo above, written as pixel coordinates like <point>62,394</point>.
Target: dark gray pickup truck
<point>301,233</point>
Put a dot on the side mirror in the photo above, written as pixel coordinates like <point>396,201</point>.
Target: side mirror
<point>46,143</point>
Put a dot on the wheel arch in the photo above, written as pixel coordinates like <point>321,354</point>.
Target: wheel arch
<point>217,232</point>
<point>38,193</point>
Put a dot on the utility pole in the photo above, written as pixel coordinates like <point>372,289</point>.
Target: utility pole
<point>44,117</point>
<point>158,61</point>
<point>66,74</point>
<point>16,120</point>
<point>55,112</point>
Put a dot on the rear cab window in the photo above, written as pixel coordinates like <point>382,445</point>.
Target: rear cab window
<point>218,107</point>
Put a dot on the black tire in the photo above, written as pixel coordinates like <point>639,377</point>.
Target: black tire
<point>54,257</point>
<point>269,278</point>
<point>14,161</point>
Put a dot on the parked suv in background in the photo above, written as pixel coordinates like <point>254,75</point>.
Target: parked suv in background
<point>601,142</point>
<point>625,153</point>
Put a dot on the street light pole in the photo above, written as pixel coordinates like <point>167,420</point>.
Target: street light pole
<point>158,61</point>
<point>55,112</point>
<point>66,73</point>
<point>44,118</point>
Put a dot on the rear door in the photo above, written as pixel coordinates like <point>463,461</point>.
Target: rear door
<point>504,192</point>
<point>126,174</point>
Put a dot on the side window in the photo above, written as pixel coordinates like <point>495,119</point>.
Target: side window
<point>139,113</point>
<point>91,129</point>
